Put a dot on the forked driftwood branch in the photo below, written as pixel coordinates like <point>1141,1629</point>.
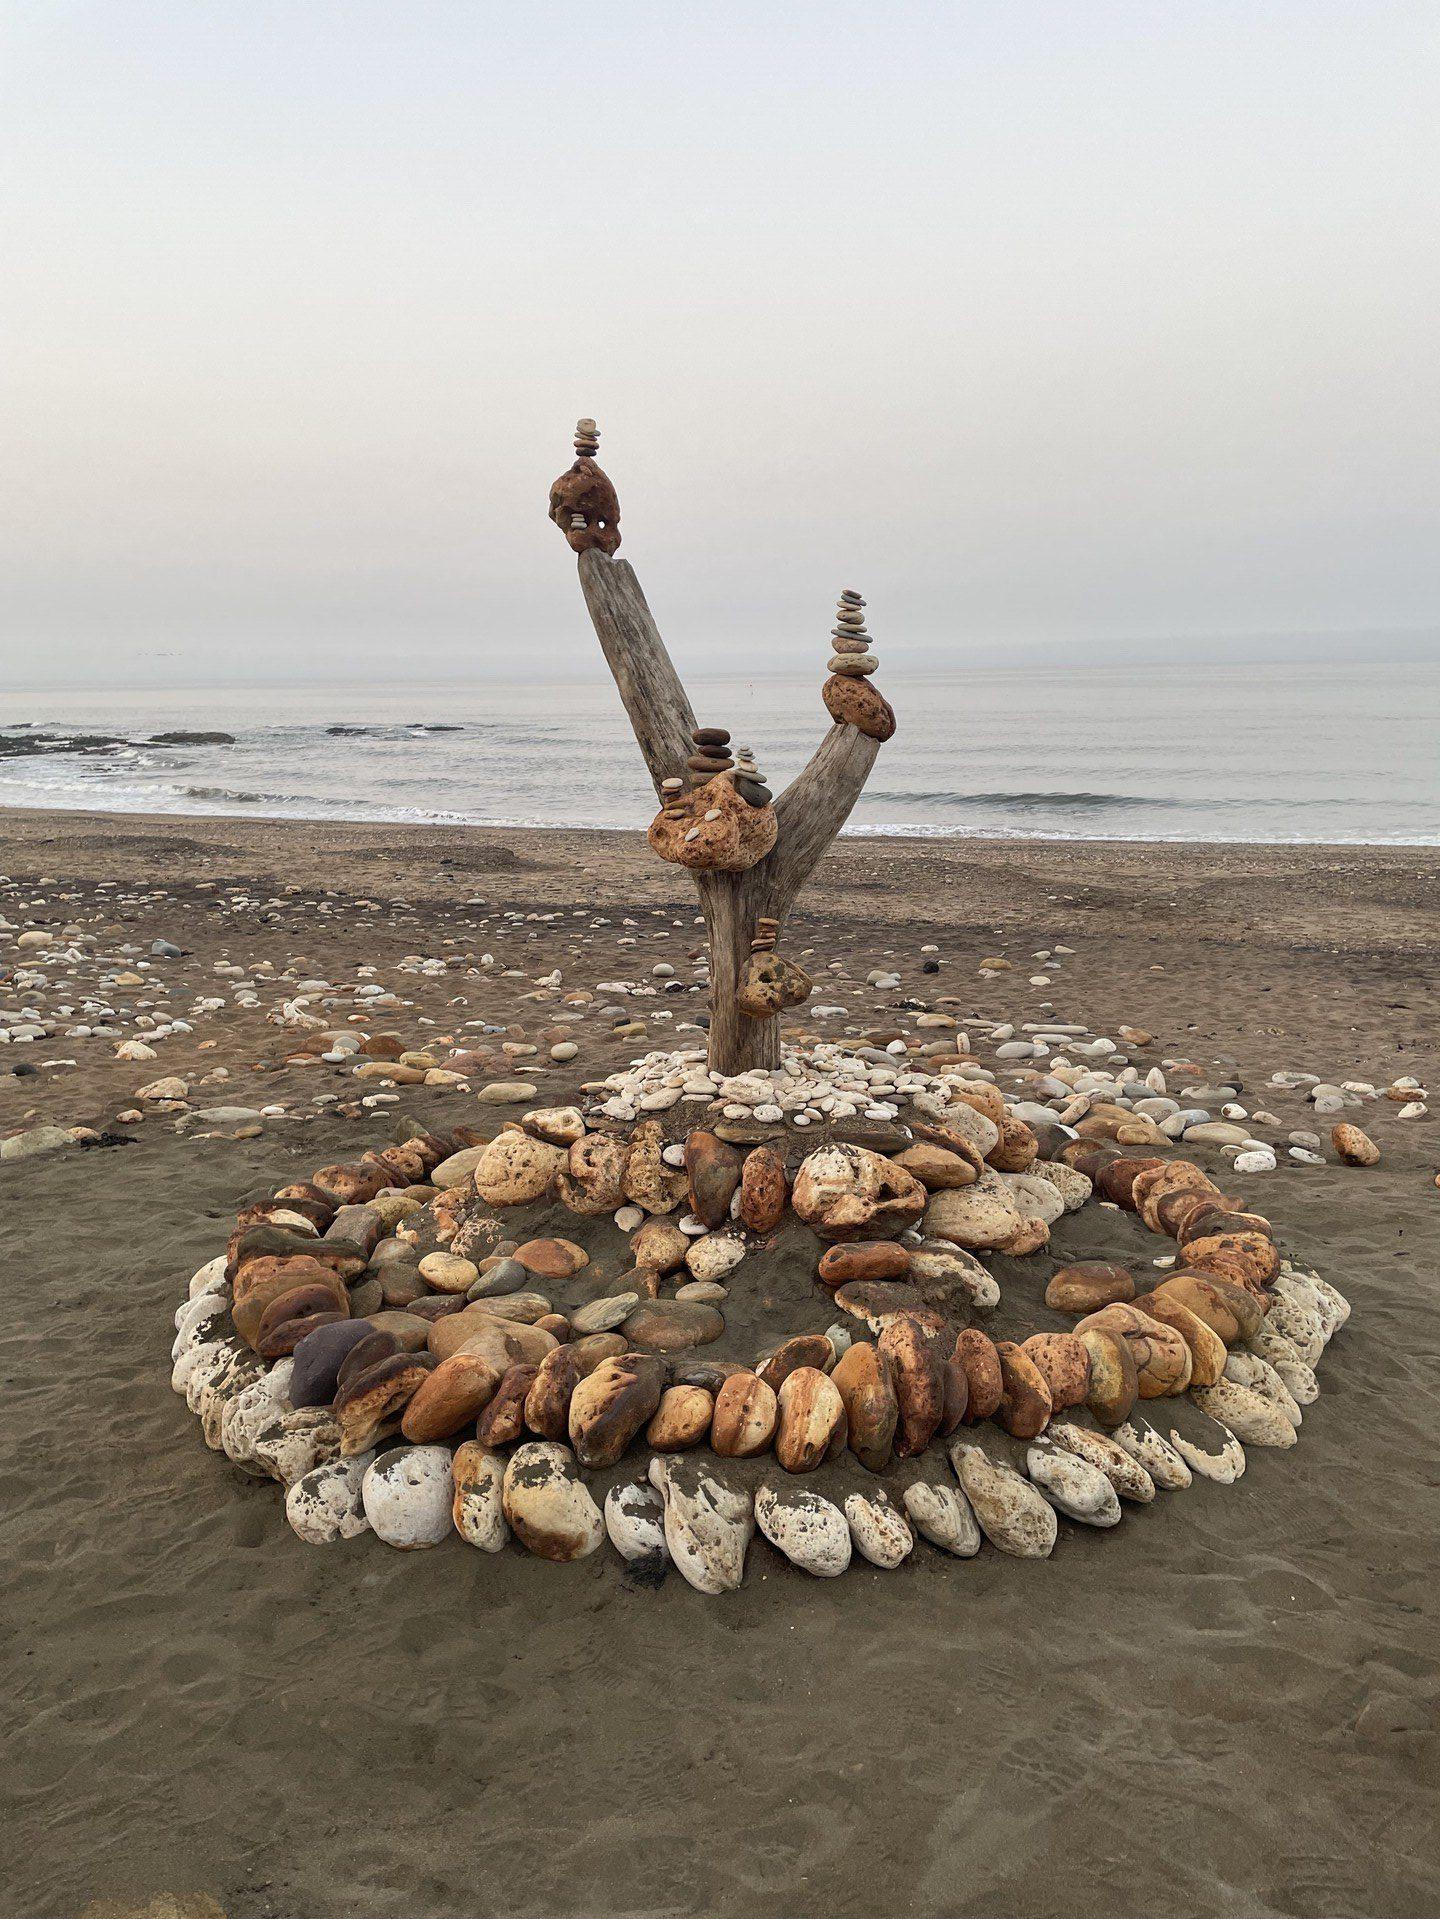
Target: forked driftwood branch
<point>809,813</point>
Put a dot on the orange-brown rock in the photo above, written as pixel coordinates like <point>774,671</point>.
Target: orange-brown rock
<point>981,1097</point>
<point>682,1419</point>
<point>1355,1147</point>
<point>1087,1285</point>
<point>863,1380</point>
<point>288,1318</point>
<point>1025,1407</point>
<point>812,1424</point>
<point>262,1281</point>
<point>659,1246</point>
<point>745,1417</point>
<point>713,1170</point>
<point>1222,1216</point>
<point>917,1367</point>
<point>856,702</point>
<point>1117,1180</point>
<point>368,1407</point>
<point>731,841</point>
<point>1162,1359</point>
<point>1016,1148</point>
<point>1114,1383</point>
<point>1207,1348</point>
<point>584,505</point>
<point>593,1180</point>
<point>456,1392</point>
<point>1030,1236</point>
<point>1065,1366</point>
<point>980,1363</point>
<point>806,1349</point>
<point>503,1420</point>
<point>1231,1312</point>
<point>1252,1258</point>
<point>937,1168</point>
<point>551,1258</point>
<point>1171,1177</point>
<point>611,1405</point>
<point>957,1397</point>
<point>863,1259</point>
<point>764,1189</point>
<point>547,1404</point>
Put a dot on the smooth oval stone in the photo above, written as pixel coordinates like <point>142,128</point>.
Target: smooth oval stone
<point>603,1315</point>
<point>1089,1285</point>
<point>408,1492</point>
<point>878,1530</point>
<point>505,1276</point>
<point>943,1515</point>
<point>1073,1486</point>
<point>477,1511</point>
<point>326,1503</point>
<point>809,1530</point>
<point>1012,1514</point>
<point>318,1358</point>
<point>548,1505</point>
<point>672,1326</point>
<point>709,1522</point>
<point>635,1521</point>
<point>1126,1475</point>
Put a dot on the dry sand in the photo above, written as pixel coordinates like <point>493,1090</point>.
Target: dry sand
<point>1226,1707</point>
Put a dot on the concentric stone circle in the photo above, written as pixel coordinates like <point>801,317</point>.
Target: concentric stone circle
<point>373,1340</point>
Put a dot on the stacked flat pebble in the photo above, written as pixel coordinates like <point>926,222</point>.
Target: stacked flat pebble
<point>749,781</point>
<point>853,657</point>
<point>712,752</point>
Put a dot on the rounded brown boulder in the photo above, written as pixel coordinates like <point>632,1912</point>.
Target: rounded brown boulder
<point>862,1377</point>
<point>609,1406</point>
<point>503,1420</point>
<point>863,1259</point>
<point>806,1349</point>
<point>368,1407</point>
<point>917,1368</point>
<point>812,1421</point>
<point>764,1189</point>
<point>1230,1311</point>
<point>1064,1365</point>
<point>681,1420</point>
<point>449,1397</point>
<point>713,1170</point>
<point>979,1361</point>
<point>1087,1285</point>
<point>1355,1147</point>
<point>745,1417</point>
<point>547,1404</point>
<point>1162,1359</point>
<point>857,702</point>
<point>1251,1258</point>
<point>1114,1383</point>
<point>1025,1405</point>
<point>1207,1349</point>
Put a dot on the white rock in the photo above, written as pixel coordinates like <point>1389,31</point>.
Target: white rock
<point>1248,1369</point>
<point>408,1493</point>
<point>709,1523</point>
<point>944,1516</point>
<point>635,1520</point>
<point>325,1504</point>
<point>1253,1420</point>
<point>548,1505</point>
<point>294,1441</point>
<point>477,1508</point>
<point>810,1530</point>
<point>210,1278</point>
<point>1126,1475</point>
<point>1155,1453</point>
<point>715,1255</point>
<point>1073,1486</point>
<point>878,1529</point>
<point>1224,1465</point>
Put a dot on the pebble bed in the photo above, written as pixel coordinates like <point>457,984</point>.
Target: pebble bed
<point>382,1300</point>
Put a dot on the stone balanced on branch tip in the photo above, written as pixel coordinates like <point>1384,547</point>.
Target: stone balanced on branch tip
<point>583,503</point>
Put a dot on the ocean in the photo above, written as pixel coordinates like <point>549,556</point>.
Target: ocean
<point>1335,752</point>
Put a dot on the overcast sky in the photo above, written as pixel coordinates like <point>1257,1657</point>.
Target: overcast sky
<point>1066,322</point>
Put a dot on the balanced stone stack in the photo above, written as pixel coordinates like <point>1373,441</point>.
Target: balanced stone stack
<point>853,657</point>
<point>849,697</point>
<point>587,439</point>
<point>767,931</point>
<point>711,755</point>
<point>749,781</point>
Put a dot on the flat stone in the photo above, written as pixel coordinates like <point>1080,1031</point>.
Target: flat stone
<point>672,1326</point>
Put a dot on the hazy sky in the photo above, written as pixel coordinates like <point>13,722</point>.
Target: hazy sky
<point>1071,322</point>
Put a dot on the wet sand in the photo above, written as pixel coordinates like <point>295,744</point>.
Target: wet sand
<point>1226,1707</point>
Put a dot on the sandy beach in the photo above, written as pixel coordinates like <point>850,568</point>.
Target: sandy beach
<point>1227,1707</point>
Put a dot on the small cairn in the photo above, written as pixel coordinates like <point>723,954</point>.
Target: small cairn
<point>850,698</point>
<point>767,931</point>
<point>853,657</point>
<point>583,503</point>
<point>749,781</point>
<point>711,755</point>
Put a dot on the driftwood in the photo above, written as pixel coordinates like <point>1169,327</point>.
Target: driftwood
<point>810,812</point>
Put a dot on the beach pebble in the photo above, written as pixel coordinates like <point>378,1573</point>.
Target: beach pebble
<point>810,1530</point>
<point>293,1441</point>
<point>1073,1486</point>
<point>1353,1146</point>
<point>1012,1514</point>
<point>635,1520</point>
<point>1155,1453</point>
<point>548,1505</point>
<point>878,1530</point>
<point>943,1515</point>
<point>477,1510</point>
<point>1126,1475</point>
<point>709,1522</point>
<point>1253,1420</point>
<point>408,1493</point>
<point>326,1503</point>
